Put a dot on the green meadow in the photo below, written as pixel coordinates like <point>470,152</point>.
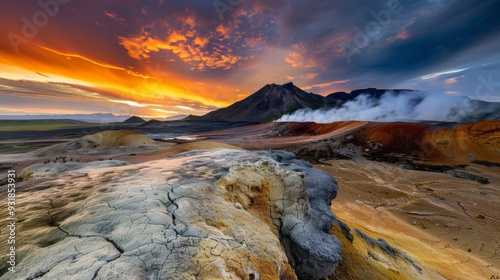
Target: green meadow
<point>41,125</point>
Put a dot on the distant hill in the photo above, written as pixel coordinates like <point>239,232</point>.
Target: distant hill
<point>338,98</point>
<point>134,120</point>
<point>151,122</point>
<point>482,110</point>
<point>269,103</point>
<point>175,118</point>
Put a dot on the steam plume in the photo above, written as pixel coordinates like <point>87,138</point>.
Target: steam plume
<point>392,106</point>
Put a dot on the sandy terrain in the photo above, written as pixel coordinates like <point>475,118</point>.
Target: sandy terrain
<point>449,224</point>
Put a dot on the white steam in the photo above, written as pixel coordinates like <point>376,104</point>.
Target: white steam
<point>392,106</point>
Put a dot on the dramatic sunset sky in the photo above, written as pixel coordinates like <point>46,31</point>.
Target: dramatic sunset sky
<point>159,58</point>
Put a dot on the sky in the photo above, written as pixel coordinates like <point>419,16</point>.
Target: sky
<point>161,58</point>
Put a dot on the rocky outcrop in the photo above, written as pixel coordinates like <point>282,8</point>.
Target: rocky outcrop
<point>219,214</point>
<point>298,200</point>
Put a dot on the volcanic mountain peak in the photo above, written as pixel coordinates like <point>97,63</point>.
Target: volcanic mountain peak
<point>287,86</point>
<point>280,90</point>
<point>269,103</point>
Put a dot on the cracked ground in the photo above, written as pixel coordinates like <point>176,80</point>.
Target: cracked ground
<point>222,214</point>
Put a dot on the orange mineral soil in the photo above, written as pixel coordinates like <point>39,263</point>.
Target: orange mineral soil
<point>449,226</point>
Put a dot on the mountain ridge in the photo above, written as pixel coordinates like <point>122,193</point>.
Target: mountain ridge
<point>273,101</point>
<point>267,103</point>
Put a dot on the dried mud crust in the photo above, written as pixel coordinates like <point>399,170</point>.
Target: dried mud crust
<point>219,214</point>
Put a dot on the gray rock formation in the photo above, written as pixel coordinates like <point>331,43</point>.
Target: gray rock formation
<point>218,214</point>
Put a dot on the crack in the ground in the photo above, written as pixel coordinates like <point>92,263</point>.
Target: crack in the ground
<point>465,210</point>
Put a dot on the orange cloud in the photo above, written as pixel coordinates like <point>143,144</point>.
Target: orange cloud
<point>200,51</point>
<point>68,55</point>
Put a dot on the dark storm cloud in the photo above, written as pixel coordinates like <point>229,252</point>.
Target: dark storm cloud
<point>439,39</point>
<point>422,38</point>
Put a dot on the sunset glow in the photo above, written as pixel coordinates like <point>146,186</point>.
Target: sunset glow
<point>166,58</point>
